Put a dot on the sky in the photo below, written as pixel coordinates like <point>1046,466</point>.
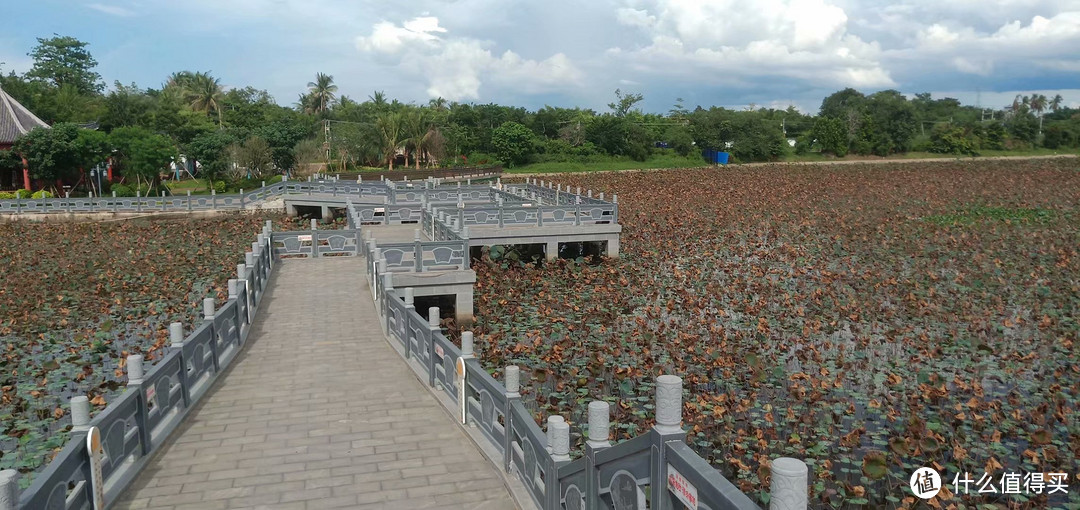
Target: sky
<point>733,53</point>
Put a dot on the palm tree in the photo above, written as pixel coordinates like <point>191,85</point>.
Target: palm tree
<point>1038,105</point>
<point>378,99</point>
<point>322,91</point>
<point>418,129</point>
<point>438,104</point>
<point>389,128</point>
<point>205,93</point>
<point>1055,104</point>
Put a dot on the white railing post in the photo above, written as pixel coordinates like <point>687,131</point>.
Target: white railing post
<point>599,424</point>
<point>9,489</point>
<point>788,489</point>
<point>134,369</point>
<point>80,413</point>
<point>176,334</point>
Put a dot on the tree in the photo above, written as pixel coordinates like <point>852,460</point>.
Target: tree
<point>322,92</point>
<point>92,148</point>
<point>64,60</point>
<point>679,139</point>
<point>1055,104</point>
<point>51,153</point>
<point>419,131</point>
<point>624,103</point>
<point>253,158</point>
<point>282,135</point>
<point>831,134</point>
<point>892,123</point>
<point>126,106</point>
<point>390,132</point>
<point>149,155</point>
<point>513,143</point>
<point>378,99</point>
<point>209,150</point>
<point>205,94</point>
<point>756,138</point>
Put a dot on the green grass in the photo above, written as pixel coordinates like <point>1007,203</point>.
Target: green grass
<point>654,161</point>
<point>975,213</point>
<point>196,186</point>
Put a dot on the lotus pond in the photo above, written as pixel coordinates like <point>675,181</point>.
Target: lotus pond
<point>870,319</point>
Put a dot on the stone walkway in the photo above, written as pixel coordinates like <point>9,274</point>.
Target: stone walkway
<point>318,412</point>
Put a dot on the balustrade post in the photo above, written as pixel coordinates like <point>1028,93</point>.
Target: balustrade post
<point>511,381</point>
<point>668,428</point>
<point>176,334</point>
<point>410,307</point>
<point>80,413</point>
<point>242,199</point>
<point>550,431</point>
<point>114,201</point>
<point>134,369</point>
<point>9,489</point>
<point>138,201</point>
<point>189,200</point>
<point>599,430</point>
<point>388,285</point>
<point>560,445</point>
<point>433,329</point>
<point>788,488</point>
<point>418,252</point>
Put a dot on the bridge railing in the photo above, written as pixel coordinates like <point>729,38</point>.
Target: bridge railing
<point>655,470</point>
<point>135,424</point>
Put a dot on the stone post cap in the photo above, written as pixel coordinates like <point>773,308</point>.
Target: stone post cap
<point>787,466</point>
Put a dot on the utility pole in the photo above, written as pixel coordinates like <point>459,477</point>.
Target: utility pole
<point>326,142</point>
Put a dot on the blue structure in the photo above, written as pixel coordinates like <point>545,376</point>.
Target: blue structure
<point>715,157</point>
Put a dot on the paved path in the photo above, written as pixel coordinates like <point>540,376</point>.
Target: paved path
<point>319,412</point>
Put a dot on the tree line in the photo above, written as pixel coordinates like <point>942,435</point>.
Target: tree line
<point>238,135</point>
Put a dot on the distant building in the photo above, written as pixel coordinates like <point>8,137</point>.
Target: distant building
<point>15,121</point>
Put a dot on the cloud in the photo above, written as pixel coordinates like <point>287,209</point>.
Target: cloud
<point>738,41</point>
<point>457,67</point>
<point>1047,42</point>
<point>113,10</point>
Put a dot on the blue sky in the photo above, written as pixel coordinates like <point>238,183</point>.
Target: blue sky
<point>724,52</point>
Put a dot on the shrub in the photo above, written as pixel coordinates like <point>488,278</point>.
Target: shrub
<point>219,186</point>
<point>23,193</point>
<point>7,195</point>
<point>273,180</point>
<point>41,194</point>
<point>122,190</point>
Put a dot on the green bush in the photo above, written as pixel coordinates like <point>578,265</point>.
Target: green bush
<point>273,180</point>
<point>220,186</point>
<point>23,193</point>
<point>7,195</point>
<point>951,139</point>
<point>41,194</point>
<point>122,190</point>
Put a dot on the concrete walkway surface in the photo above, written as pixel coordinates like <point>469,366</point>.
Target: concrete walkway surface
<point>318,412</point>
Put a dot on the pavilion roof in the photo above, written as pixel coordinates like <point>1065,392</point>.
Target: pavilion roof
<point>15,119</point>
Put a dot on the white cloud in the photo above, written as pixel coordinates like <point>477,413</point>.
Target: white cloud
<point>457,67</point>
<point>735,41</point>
<point>390,39</point>
<point>634,17</point>
<point>1047,42</point>
<point>113,10</point>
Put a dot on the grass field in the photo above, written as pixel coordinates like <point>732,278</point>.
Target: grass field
<point>869,319</point>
